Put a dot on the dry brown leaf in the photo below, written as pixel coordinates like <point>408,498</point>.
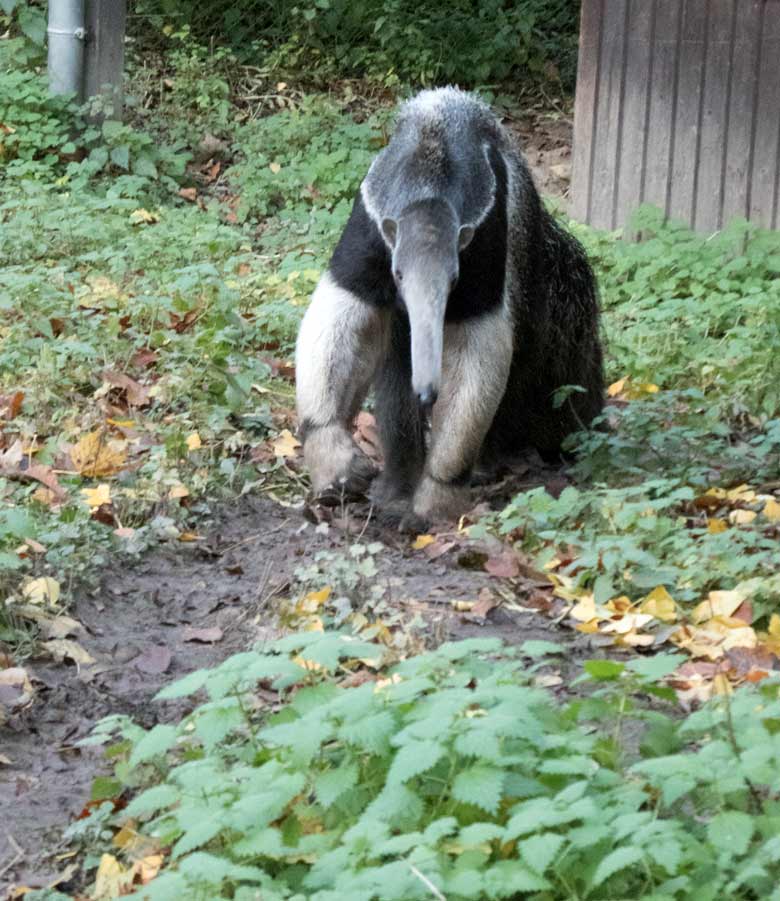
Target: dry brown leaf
<point>154,660</point>
<point>10,405</point>
<point>366,436</point>
<point>486,602</point>
<point>135,393</point>
<point>504,565</point>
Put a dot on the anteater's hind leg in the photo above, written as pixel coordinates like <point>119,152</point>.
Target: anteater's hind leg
<point>401,424</point>
<point>340,346</point>
<point>477,359</point>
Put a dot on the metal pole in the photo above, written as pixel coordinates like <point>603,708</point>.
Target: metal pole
<point>66,46</point>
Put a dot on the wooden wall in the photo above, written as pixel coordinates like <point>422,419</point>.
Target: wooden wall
<point>678,104</point>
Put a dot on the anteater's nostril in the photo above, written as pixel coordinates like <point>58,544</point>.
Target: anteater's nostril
<point>427,397</point>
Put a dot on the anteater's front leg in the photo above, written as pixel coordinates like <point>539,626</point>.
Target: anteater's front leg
<point>476,362</point>
<point>340,345</point>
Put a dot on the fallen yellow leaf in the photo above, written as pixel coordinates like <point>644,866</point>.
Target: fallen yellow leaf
<point>193,441</point>
<point>148,867</point>
<point>285,444</point>
<point>111,879</point>
<point>178,491</point>
<point>634,639</point>
<point>190,536</point>
<point>715,526</point>
<point>719,603</point>
<point>60,648</point>
<point>318,597</point>
<point>44,590</point>
<point>660,604</point>
<point>742,493</point>
<point>628,623</point>
<point>585,610</point>
<point>96,497</point>
<point>422,541</point>
<point>741,517</point>
<point>95,455</point>
<point>620,605</point>
<point>772,510</point>
<point>721,685</point>
<point>589,627</point>
<point>275,168</point>
<point>143,217</point>
<point>616,387</point>
<point>463,606</point>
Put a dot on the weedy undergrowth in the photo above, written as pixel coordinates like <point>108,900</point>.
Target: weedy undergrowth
<point>455,772</point>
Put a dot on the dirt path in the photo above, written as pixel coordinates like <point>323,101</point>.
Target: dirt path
<point>137,628</point>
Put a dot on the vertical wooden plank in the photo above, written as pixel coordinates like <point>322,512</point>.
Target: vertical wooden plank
<point>766,147</point>
<point>105,52</point>
<point>638,79</point>
<point>742,113</point>
<point>609,112</point>
<point>659,129</point>
<point>585,124</point>
<point>715,108</point>
<point>692,51</point>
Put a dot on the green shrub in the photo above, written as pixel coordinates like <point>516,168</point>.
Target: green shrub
<point>456,775</point>
<point>683,310</point>
<point>391,40</point>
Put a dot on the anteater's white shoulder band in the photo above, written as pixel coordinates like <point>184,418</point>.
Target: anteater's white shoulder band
<point>332,337</point>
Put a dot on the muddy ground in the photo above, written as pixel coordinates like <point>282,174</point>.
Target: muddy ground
<point>145,626</point>
<point>137,628</point>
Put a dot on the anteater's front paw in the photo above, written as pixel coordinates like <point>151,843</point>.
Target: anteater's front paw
<point>413,524</point>
<point>435,501</point>
<point>353,485</point>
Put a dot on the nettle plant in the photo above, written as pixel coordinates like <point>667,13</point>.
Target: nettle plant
<point>454,777</point>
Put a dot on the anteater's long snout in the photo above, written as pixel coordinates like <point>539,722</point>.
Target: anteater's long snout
<point>426,324</point>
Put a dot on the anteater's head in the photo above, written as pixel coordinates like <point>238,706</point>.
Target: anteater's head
<point>425,242</point>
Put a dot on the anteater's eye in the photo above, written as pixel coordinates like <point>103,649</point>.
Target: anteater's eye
<point>398,275</point>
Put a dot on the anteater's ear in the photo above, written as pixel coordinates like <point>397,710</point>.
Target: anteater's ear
<point>465,234</point>
<point>390,231</point>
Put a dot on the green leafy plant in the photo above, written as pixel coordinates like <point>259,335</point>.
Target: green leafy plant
<point>455,775</point>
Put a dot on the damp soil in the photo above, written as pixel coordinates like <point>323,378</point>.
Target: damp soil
<point>189,606</point>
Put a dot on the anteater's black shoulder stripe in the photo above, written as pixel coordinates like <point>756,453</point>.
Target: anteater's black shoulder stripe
<point>361,261</point>
<point>480,287</point>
